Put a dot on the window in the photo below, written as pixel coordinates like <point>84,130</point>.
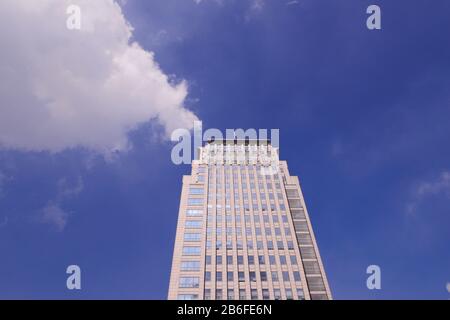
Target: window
<point>283,260</point>
<point>242,295</point>
<point>272,260</point>
<point>187,296</point>
<point>294,203</point>
<point>207,295</point>
<point>254,294</point>
<point>315,284</point>
<point>292,193</point>
<point>219,294</point>
<point>194,212</point>
<point>251,260</point>
<point>190,265</point>
<point>259,245</point>
<point>289,294</point>
<point>280,245</point>
<point>207,260</point>
<point>297,276</point>
<point>285,276</point>
<point>192,237</point>
<point>229,260</point>
<point>261,260</point>
<point>193,224</point>
<point>277,294</point>
<point>230,276</point>
<point>207,276</point>
<point>219,276</point>
<point>290,245</point>
<point>189,282</point>
<point>293,260</point>
<point>240,260</point>
<point>263,276</point>
<point>274,276</point>
<point>311,267</point>
<point>191,251</point>
<point>252,275</point>
<point>218,260</point>
<point>241,276</point>
<point>193,190</point>
<point>195,201</point>
<point>265,293</point>
<point>230,294</point>
<point>300,294</point>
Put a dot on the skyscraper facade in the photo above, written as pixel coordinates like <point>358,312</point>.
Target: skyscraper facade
<point>244,230</point>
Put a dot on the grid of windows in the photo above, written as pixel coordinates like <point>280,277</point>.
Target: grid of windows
<point>250,240</point>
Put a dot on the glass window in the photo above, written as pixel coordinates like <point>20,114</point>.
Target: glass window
<point>293,260</point>
<point>274,276</point>
<point>194,212</point>
<point>195,190</point>
<point>195,201</point>
<point>187,296</point>
<point>277,294</point>
<point>242,295</point>
<point>219,294</point>
<point>241,276</point>
<point>300,294</point>
<point>192,237</point>
<point>252,275</point>
<point>254,293</point>
<point>218,260</point>
<point>272,260</point>
<point>285,276</point>
<point>191,251</point>
<point>230,294</point>
<point>261,260</point>
<point>282,260</point>
<point>265,293</point>
<point>193,224</point>
<point>218,276</point>
<point>229,260</point>
<point>288,294</point>
<point>207,260</point>
<point>230,276</point>
<point>297,276</point>
<point>280,245</point>
<point>207,276</point>
<point>189,282</point>
<point>207,295</point>
<point>190,265</point>
<point>251,260</point>
<point>263,276</point>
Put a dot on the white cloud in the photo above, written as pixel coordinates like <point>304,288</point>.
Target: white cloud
<point>63,88</point>
<point>439,185</point>
<point>448,287</point>
<point>54,215</point>
<point>65,189</point>
<point>257,5</point>
<point>293,2</point>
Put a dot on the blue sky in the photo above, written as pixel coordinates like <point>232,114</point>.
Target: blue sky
<point>363,118</point>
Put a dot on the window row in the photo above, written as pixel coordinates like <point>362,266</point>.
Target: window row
<point>252,276</point>
<point>252,259</point>
<point>254,294</point>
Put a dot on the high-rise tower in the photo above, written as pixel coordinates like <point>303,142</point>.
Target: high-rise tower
<point>243,229</point>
